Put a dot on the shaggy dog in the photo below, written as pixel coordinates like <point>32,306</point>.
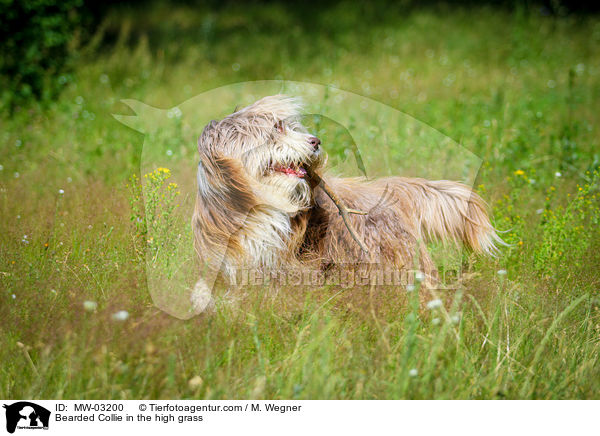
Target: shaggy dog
<point>257,207</point>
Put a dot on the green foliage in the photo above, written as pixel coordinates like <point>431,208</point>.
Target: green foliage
<point>153,208</point>
<point>567,232</point>
<point>508,209</point>
<point>35,38</point>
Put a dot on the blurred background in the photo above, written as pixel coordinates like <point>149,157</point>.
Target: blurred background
<point>41,39</point>
<point>428,59</point>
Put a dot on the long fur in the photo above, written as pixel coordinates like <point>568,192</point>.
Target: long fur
<point>250,213</point>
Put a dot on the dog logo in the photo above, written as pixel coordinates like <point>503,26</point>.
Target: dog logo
<point>26,415</point>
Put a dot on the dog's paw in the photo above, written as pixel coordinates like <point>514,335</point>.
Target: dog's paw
<point>201,299</point>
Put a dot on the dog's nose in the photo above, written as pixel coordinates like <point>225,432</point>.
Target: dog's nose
<point>315,142</point>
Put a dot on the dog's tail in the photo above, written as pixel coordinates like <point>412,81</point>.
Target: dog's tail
<point>452,211</point>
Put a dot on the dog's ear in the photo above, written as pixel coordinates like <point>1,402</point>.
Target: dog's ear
<point>222,181</point>
<point>224,178</point>
<point>223,202</point>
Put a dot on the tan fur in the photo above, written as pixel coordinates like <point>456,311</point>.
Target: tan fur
<point>247,215</point>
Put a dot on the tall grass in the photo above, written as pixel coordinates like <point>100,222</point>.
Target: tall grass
<point>519,90</point>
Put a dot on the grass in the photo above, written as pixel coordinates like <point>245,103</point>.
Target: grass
<point>519,89</point>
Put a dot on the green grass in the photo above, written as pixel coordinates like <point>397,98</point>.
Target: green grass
<point>520,90</point>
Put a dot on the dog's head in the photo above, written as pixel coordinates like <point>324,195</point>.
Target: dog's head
<point>264,149</point>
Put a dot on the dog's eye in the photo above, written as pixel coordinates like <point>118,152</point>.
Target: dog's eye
<point>279,126</point>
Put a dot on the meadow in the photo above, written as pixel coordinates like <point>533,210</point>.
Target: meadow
<point>518,88</point>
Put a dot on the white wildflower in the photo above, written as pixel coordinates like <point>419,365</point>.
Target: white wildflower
<point>121,315</point>
<point>195,382</point>
<point>434,304</point>
<point>90,306</point>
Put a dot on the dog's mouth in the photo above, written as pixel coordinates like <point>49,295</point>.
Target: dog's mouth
<point>292,170</point>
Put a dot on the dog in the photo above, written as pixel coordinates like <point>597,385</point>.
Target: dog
<point>258,208</point>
